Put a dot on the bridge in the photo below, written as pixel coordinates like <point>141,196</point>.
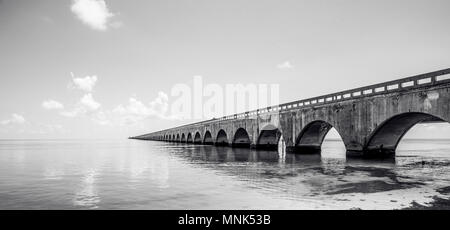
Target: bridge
<point>371,120</point>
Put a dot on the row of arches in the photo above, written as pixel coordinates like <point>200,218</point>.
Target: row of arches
<point>268,138</point>
<point>385,137</point>
<point>241,138</point>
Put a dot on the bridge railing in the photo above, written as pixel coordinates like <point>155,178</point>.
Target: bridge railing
<point>418,81</point>
<point>408,83</point>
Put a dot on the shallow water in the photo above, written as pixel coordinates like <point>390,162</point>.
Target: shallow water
<point>132,174</point>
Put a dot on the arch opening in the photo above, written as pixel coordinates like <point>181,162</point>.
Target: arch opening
<point>221,139</point>
<point>425,139</point>
<point>311,137</point>
<point>173,137</point>
<point>197,138</point>
<point>178,138</point>
<point>268,138</point>
<point>384,140</point>
<point>207,140</point>
<point>241,139</point>
<point>183,137</point>
<point>333,146</point>
<point>189,138</point>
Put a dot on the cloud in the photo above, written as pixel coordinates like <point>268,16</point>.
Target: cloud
<point>136,110</point>
<point>94,13</point>
<point>285,65</point>
<point>88,102</point>
<point>86,84</point>
<point>85,105</point>
<point>15,119</point>
<point>133,112</point>
<point>160,104</point>
<point>128,114</point>
<point>52,104</point>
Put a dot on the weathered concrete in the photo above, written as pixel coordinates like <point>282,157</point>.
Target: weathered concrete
<point>370,120</point>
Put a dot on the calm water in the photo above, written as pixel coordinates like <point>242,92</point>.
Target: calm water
<point>131,174</point>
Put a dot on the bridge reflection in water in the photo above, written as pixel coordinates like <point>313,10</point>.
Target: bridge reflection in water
<point>307,177</point>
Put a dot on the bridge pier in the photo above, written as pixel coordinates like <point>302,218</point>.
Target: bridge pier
<point>240,145</point>
<point>270,147</point>
<point>222,144</point>
<point>304,149</point>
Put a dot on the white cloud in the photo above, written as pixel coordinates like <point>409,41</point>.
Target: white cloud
<point>136,111</point>
<point>15,119</point>
<point>86,84</point>
<point>160,104</point>
<point>88,102</point>
<point>94,13</point>
<point>134,107</point>
<point>131,113</point>
<point>285,65</point>
<point>52,104</point>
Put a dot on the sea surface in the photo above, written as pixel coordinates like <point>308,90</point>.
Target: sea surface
<point>133,174</point>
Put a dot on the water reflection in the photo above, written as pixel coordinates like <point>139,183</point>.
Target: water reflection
<point>333,165</point>
<point>307,177</point>
<point>158,175</point>
<point>87,195</point>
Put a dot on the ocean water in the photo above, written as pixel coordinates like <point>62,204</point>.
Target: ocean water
<point>133,174</point>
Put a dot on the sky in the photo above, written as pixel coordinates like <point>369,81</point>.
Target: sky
<point>105,69</point>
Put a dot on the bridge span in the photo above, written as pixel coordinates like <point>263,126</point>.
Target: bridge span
<point>371,120</point>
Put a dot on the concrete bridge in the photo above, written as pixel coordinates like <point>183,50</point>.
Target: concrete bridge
<point>371,120</point>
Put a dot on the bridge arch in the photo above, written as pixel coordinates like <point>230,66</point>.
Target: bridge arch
<point>197,138</point>
<point>207,138</point>
<point>183,138</point>
<point>385,138</point>
<point>268,138</point>
<point>221,138</point>
<point>178,137</point>
<point>311,137</point>
<point>189,138</point>
<point>241,138</point>
<point>173,137</point>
